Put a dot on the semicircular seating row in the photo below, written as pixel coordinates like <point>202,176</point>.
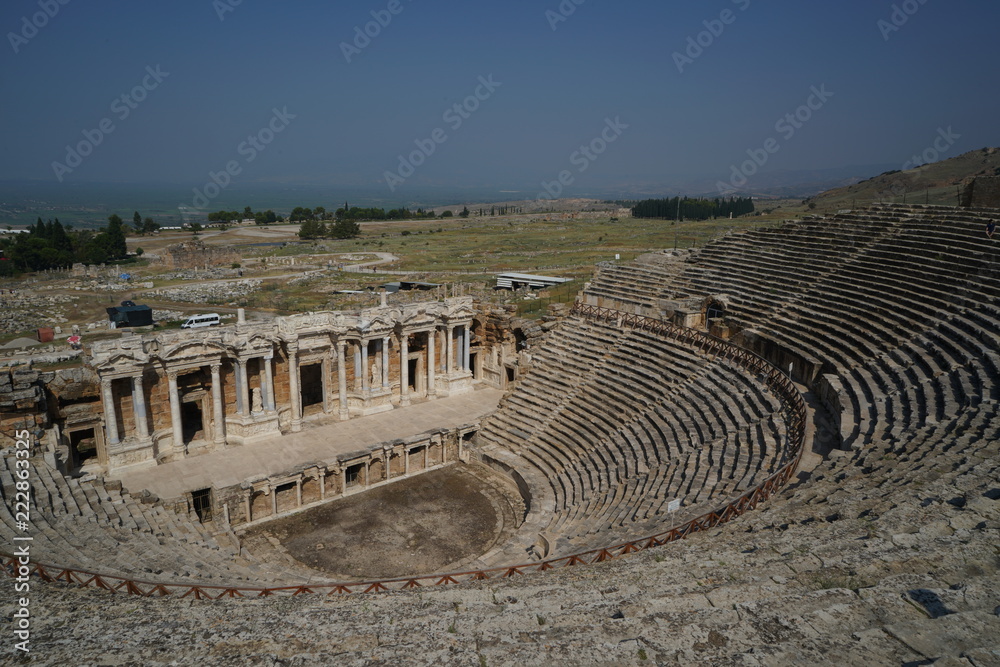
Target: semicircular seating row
<point>611,425</point>
<point>900,304</point>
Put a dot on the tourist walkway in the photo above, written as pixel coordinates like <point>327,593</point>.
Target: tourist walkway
<point>318,442</point>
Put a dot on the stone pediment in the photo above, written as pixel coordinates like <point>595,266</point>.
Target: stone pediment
<point>195,349</point>
<point>256,343</point>
<point>118,362</point>
<point>416,318</point>
<point>461,312</point>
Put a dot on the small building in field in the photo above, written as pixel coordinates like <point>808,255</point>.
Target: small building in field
<point>518,280</point>
<point>130,316</point>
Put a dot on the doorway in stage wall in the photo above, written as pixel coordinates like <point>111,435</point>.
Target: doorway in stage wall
<point>411,369</point>
<point>192,421</point>
<point>311,377</point>
<point>82,450</point>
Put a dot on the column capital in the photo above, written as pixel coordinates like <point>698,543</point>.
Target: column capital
<point>216,367</point>
<point>292,347</point>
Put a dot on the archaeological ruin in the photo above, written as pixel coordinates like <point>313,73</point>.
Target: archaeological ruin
<point>779,448</point>
<point>195,254</point>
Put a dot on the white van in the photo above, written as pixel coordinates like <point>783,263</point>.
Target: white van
<point>195,321</point>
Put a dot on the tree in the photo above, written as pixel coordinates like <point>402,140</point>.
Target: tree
<point>149,226</point>
<point>137,222</point>
<point>344,229</point>
<point>309,229</point>
<point>59,239</point>
<point>247,213</point>
<point>464,213</point>
<point>114,242</point>
<point>447,214</point>
<point>265,217</point>
<point>139,252</point>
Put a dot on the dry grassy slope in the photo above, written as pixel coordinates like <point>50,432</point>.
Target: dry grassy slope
<point>936,183</point>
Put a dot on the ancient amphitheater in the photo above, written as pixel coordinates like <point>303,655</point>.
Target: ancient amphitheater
<point>781,448</point>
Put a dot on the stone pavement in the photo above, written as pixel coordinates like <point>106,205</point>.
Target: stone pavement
<point>318,442</point>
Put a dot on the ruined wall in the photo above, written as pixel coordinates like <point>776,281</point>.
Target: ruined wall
<point>23,403</point>
<point>196,255</point>
<point>981,192</point>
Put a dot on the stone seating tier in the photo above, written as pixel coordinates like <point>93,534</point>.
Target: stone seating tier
<point>646,420</point>
<point>90,526</point>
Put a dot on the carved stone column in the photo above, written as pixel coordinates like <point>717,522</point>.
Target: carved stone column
<point>404,369</point>
<point>326,382</point>
<point>293,386</point>
<point>467,349</point>
<point>176,425</point>
<point>139,407</point>
<point>218,407</point>
<point>431,363</point>
<point>110,414</point>
<point>358,372</point>
<point>450,347</point>
<point>342,378</point>
<point>248,504</point>
<point>385,363</point>
<point>365,373</point>
<point>242,388</point>
<point>269,403</point>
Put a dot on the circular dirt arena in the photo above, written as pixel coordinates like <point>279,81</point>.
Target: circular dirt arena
<point>427,523</point>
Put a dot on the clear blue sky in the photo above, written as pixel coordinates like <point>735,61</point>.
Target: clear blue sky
<point>607,60</point>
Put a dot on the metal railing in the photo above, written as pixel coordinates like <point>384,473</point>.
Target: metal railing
<point>777,381</point>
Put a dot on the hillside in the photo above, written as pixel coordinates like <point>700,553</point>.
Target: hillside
<point>935,183</point>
